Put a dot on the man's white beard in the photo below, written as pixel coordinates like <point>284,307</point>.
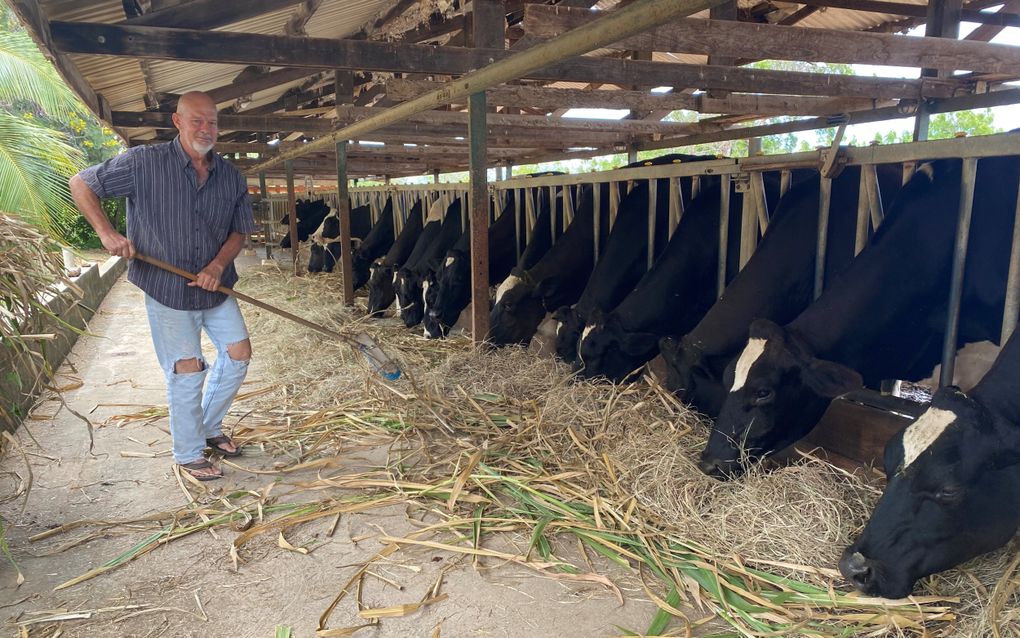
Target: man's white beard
<point>201,148</point>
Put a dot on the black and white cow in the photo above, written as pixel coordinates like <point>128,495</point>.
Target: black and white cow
<point>326,242</point>
<point>380,279</point>
<point>437,237</point>
<point>777,283</point>
<point>625,259</point>
<point>881,319</point>
<point>376,243</point>
<point>309,217</point>
<point>447,289</point>
<point>557,279</point>
<point>954,486</point>
<point>673,296</point>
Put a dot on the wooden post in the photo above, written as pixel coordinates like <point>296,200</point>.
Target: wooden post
<point>943,21</point>
<point>346,241</point>
<point>267,224</point>
<point>291,206</point>
<point>479,227</point>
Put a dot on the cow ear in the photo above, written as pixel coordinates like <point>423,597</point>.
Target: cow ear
<point>545,287</point>
<point>669,347</point>
<point>562,313</point>
<point>766,329</point>
<point>638,343</point>
<point>828,379</point>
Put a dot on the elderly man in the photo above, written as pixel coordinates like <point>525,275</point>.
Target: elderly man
<point>189,207</point>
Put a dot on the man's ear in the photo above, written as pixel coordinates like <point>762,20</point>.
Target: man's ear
<point>828,379</point>
<point>638,343</point>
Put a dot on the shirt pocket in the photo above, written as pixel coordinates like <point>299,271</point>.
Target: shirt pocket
<point>219,216</point>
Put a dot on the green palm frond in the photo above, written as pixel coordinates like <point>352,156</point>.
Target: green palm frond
<point>35,164</point>
<point>25,74</point>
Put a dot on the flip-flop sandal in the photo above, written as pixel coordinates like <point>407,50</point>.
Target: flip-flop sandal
<point>201,464</point>
<point>214,445</point>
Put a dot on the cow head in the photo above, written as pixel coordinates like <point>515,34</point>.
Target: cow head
<point>316,258</point>
<point>778,391</point>
<point>407,286</point>
<point>608,350</point>
<point>380,288</point>
<point>518,310</point>
<point>953,493</point>
<point>362,267</point>
<point>331,226</point>
<point>447,294</point>
<point>569,325</point>
<point>690,376</point>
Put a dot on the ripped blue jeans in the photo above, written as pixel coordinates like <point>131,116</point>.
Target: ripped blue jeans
<point>177,335</point>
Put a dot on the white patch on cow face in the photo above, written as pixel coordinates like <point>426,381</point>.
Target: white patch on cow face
<point>449,261</point>
<point>587,331</point>
<point>506,286</point>
<point>747,358</point>
<point>559,327</point>
<point>395,275</point>
<point>435,212</point>
<point>425,296</point>
<point>923,432</point>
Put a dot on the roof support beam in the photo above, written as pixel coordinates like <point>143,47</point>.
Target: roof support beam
<point>915,11</point>
<point>249,48</point>
<point>774,42</point>
<point>550,98</point>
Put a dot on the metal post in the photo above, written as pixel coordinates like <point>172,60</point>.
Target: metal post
<point>479,218</point>
<point>1009,315</point>
<point>517,221</point>
<point>784,182</point>
<point>824,201</point>
<point>967,180</point>
<point>346,241</point>
<point>292,207</point>
<point>568,206</point>
<point>695,189</point>
<point>653,194</point>
<point>760,201</point>
<point>267,224</point>
<point>874,195</point>
<point>614,202</point>
<point>862,214</point>
<point>552,204</point>
<point>529,211</point>
<point>676,205</point>
<point>748,227</point>
<point>724,229</point>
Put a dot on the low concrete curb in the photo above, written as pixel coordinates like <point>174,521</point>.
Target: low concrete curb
<point>22,381</point>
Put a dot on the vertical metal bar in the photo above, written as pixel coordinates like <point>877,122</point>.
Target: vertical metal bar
<point>1012,310</point>
<point>597,201</point>
<point>529,210</point>
<point>653,194</point>
<point>784,182</point>
<point>568,205</point>
<point>695,189</point>
<point>518,216</point>
<point>822,249</point>
<point>760,201</point>
<point>748,227</point>
<point>614,202</point>
<point>724,229</point>
<point>552,207</point>
<point>479,217</point>
<point>267,224</point>
<point>346,243</point>
<point>289,167</point>
<point>862,214</point>
<point>874,195</point>
<point>967,180</point>
<point>675,204</point>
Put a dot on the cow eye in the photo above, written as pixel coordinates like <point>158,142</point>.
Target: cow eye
<point>948,494</point>
<point>763,395</point>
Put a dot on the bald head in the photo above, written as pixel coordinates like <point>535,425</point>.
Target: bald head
<point>195,119</point>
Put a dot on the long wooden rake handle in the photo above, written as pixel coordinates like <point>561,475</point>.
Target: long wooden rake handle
<point>361,342</point>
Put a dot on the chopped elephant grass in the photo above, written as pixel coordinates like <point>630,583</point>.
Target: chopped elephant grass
<point>505,460</point>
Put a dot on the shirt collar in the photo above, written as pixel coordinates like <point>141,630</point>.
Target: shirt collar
<point>185,159</point>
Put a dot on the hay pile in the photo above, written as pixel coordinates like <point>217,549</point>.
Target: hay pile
<point>509,445</point>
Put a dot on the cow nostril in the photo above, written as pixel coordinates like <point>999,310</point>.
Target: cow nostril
<point>858,570</point>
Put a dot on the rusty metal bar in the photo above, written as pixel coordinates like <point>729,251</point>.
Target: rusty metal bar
<point>967,182</point>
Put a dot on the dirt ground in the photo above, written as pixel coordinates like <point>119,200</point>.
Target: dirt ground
<point>190,587</point>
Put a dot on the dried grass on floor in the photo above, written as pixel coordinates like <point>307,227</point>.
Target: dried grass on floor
<point>631,440</point>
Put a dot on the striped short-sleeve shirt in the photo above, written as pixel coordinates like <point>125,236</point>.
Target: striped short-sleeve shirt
<point>170,217</point>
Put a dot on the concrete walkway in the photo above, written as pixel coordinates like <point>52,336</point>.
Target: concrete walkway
<point>119,374</point>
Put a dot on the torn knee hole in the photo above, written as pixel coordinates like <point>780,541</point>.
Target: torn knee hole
<point>194,364</point>
<point>240,351</point>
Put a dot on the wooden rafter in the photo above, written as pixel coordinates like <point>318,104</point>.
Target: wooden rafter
<point>248,48</point>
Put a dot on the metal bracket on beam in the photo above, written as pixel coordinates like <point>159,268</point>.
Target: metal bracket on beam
<point>742,183</point>
<point>830,166</point>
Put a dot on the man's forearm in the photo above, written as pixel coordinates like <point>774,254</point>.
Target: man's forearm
<point>89,205</point>
<point>230,250</point>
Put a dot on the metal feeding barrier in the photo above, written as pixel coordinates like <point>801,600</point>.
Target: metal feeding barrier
<point>745,175</point>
